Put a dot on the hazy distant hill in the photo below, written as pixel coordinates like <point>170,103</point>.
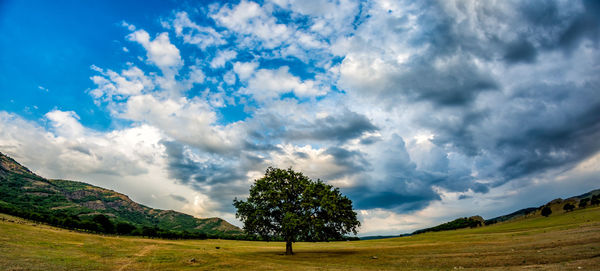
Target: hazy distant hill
<point>555,205</point>
<point>23,191</point>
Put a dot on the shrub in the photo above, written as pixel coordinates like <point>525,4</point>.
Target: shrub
<point>546,211</point>
<point>568,207</point>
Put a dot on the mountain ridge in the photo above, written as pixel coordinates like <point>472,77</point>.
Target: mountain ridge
<point>21,189</point>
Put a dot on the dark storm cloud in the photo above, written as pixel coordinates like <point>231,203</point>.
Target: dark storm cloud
<point>463,196</point>
<point>179,198</point>
<point>341,127</point>
<point>554,127</point>
<point>221,178</point>
<point>401,185</point>
<point>554,28</point>
<point>369,140</point>
<point>346,126</point>
<point>180,167</point>
<point>543,126</point>
<point>216,170</point>
<point>301,155</point>
<point>520,51</point>
<point>366,198</point>
<point>353,162</point>
<point>455,85</point>
<point>585,25</point>
<point>552,146</point>
<point>459,127</point>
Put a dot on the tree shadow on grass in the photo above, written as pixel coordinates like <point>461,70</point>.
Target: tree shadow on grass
<point>317,253</point>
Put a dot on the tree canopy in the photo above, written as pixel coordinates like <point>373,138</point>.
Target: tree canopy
<point>546,211</point>
<point>285,204</point>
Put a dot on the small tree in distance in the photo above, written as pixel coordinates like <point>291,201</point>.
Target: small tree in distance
<point>568,207</point>
<point>546,211</point>
<point>287,205</point>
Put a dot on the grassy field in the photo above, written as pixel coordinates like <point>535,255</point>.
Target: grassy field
<point>568,241</point>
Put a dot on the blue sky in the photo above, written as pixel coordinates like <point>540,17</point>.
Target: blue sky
<point>420,112</point>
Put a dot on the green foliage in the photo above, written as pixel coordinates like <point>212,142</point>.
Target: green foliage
<point>105,223</point>
<point>288,205</point>
<point>27,195</point>
<point>124,228</point>
<point>583,202</point>
<point>546,211</point>
<point>459,223</point>
<point>595,200</point>
<point>568,207</point>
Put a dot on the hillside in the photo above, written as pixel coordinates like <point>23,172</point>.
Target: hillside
<point>565,241</point>
<point>23,191</point>
<point>556,205</point>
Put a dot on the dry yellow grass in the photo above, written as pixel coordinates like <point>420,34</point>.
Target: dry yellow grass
<point>568,241</point>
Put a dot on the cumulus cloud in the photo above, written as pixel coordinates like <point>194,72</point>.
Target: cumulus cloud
<point>160,51</point>
<point>192,33</point>
<point>265,84</point>
<point>222,57</point>
<point>114,86</point>
<point>249,18</point>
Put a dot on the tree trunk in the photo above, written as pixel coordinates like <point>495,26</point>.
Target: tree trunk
<point>288,248</point>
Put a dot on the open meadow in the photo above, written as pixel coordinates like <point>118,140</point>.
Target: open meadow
<point>568,241</point>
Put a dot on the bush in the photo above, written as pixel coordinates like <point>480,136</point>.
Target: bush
<point>568,207</point>
<point>124,228</point>
<point>583,203</point>
<point>106,225</point>
<point>546,211</point>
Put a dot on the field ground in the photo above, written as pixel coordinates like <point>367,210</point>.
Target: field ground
<point>567,241</point>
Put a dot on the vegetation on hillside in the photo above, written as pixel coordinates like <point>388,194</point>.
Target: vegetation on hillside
<point>554,206</point>
<point>77,205</point>
<point>459,223</point>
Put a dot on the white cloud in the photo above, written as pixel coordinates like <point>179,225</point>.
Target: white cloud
<point>160,51</point>
<point>190,121</point>
<point>112,88</point>
<point>266,84</point>
<point>329,18</point>
<point>244,69</point>
<point>196,75</point>
<point>65,123</point>
<point>229,78</point>
<point>192,33</point>
<point>222,57</point>
<point>249,18</point>
<point>315,163</point>
<point>127,25</point>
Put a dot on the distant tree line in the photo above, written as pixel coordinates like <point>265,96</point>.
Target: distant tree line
<point>459,223</point>
<point>101,223</point>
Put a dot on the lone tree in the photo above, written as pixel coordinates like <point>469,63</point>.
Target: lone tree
<point>287,205</point>
<point>546,211</point>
